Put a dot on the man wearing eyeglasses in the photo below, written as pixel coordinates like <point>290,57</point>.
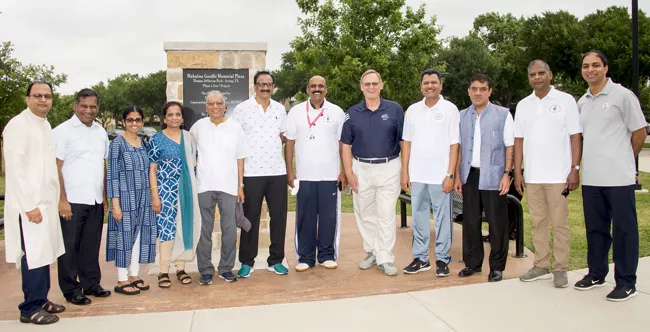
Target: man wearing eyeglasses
<point>33,237</point>
<point>265,174</point>
<point>371,143</point>
<point>313,131</point>
<point>81,152</point>
<point>221,146</point>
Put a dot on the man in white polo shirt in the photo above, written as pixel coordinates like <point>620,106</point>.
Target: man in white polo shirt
<point>549,142</point>
<point>614,132</point>
<point>265,173</point>
<point>81,150</point>
<point>429,157</point>
<point>221,147</point>
<point>313,131</point>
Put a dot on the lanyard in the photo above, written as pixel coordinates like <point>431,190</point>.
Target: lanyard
<point>317,116</point>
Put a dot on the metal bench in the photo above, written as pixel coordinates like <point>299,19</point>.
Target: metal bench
<point>515,214</point>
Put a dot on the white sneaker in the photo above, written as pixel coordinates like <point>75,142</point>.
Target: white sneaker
<point>302,267</point>
<point>368,262</point>
<point>329,264</point>
<point>389,269</point>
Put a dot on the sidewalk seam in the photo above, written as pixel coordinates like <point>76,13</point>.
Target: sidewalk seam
<point>192,321</point>
<point>431,311</point>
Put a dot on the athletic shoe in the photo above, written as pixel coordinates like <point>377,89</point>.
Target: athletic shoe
<point>621,293</point>
<point>206,279</point>
<point>536,273</point>
<point>589,282</point>
<point>302,267</point>
<point>368,262</point>
<point>278,269</point>
<point>389,269</point>
<point>329,264</point>
<point>442,270</point>
<point>417,266</point>
<point>245,271</point>
<point>228,276</point>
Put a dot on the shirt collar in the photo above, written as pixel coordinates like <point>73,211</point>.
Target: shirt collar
<point>606,89</point>
<point>382,104</point>
<point>424,104</point>
<point>312,105</point>
<point>76,122</point>
<point>553,93</point>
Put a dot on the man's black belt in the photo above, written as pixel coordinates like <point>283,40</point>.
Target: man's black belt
<point>475,169</point>
<point>376,160</point>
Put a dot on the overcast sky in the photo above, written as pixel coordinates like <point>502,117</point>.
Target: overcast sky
<point>93,40</point>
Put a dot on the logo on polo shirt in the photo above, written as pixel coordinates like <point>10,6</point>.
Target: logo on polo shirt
<point>555,109</point>
<point>327,119</point>
<point>439,116</point>
<point>606,106</point>
<point>384,117</point>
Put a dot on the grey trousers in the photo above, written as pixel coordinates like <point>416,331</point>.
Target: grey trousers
<point>227,203</point>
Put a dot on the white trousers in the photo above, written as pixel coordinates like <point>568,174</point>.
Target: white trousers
<point>122,272</point>
<point>374,206</point>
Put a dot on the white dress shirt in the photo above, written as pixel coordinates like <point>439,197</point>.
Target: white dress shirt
<point>83,151</point>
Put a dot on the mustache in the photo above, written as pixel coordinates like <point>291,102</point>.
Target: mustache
<point>266,91</point>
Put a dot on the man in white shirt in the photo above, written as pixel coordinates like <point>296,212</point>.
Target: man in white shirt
<point>483,177</point>
<point>265,174</point>
<point>221,147</point>
<point>32,230</point>
<point>313,131</point>
<point>81,152</point>
<point>429,157</point>
<point>548,140</point>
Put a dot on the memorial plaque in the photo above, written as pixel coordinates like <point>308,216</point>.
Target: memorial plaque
<point>233,83</point>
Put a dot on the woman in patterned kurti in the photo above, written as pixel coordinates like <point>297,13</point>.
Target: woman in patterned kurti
<point>174,197</point>
<point>131,238</point>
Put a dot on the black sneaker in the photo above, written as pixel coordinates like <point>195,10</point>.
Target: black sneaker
<point>589,282</point>
<point>442,270</point>
<point>417,266</point>
<point>621,293</point>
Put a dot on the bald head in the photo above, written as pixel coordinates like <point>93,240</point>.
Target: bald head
<point>317,89</point>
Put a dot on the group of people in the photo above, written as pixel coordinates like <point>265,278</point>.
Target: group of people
<point>161,196</point>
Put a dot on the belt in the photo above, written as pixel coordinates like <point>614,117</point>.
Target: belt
<point>376,160</point>
<point>475,169</point>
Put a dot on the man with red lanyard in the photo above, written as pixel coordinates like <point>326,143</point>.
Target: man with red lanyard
<point>313,131</point>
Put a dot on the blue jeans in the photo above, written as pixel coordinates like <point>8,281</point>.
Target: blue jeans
<point>424,198</point>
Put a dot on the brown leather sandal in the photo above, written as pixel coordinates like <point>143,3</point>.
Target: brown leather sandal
<point>183,277</point>
<point>41,317</point>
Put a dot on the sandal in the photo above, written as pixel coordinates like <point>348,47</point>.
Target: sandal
<point>42,317</point>
<point>53,308</point>
<point>122,290</point>
<point>164,281</point>
<point>183,277</point>
<point>139,284</point>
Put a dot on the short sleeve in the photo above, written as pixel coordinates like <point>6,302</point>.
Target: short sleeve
<point>347,135</point>
<point>400,122</point>
<point>520,122</point>
<point>106,145</point>
<point>61,142</point>
<point>406,130</point>
<point>341,119</point>
<point>508,131</point>
<point>242,144</point>
<point>573,124</point>
<point>283,120</point>
<point>291,131</point>
<point>631,112</point>
<point>153,150</point>
<point>454,131</point>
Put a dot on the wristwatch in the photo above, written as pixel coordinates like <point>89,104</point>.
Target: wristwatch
<point>508,172</point>
<point>451,176</point>
<point>576,167</point>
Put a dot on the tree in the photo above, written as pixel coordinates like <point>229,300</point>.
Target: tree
<point>14,80</point>
<point>335,43</point>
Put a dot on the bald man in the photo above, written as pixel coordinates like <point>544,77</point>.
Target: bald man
<point>313,131</point>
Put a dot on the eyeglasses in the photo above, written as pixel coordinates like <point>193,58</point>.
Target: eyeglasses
<point>264,84</point>
<point>314,86</point>
<point>216,103</point>
<point>42,96</point>
<point>132,120</point>
<point>368,84</point>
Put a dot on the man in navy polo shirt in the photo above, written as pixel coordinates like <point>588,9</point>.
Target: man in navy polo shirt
<point>371,143</point>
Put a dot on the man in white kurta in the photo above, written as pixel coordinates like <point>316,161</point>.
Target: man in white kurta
<point>32,230</point>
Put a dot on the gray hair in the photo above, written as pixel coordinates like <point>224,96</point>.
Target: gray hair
<point>215,93</point>
<point>544,65</point>
<point>368,72</point>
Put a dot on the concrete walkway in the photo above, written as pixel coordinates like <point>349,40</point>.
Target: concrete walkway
<point>510,305</point>
<point>644,160</point>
